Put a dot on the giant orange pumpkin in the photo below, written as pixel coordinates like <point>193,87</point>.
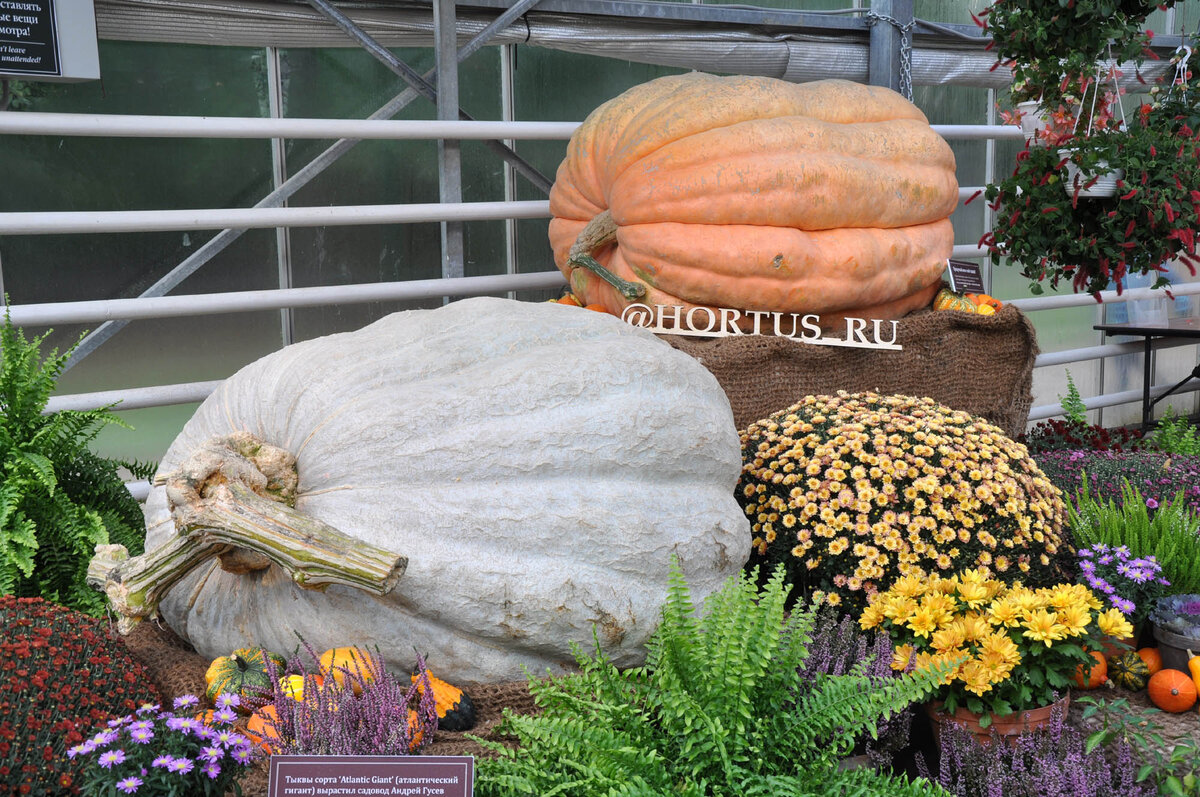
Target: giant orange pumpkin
<point>752,193</point>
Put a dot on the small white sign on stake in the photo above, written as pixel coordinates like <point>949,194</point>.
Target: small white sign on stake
<point>707,322</point>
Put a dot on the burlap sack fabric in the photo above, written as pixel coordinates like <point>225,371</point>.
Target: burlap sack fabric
<point>980,364</point>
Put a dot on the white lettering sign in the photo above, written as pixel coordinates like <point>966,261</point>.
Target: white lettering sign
<point>703,322</point>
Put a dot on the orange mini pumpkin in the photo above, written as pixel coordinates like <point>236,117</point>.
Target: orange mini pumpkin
<point>1152,657</point>
<point>1172,690</point>
<point>261,727</point>
<point>1096,676</point>
<point>750,193</point>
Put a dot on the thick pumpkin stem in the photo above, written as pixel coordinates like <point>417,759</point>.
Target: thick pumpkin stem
<point>231,500</point>
<point>600,231</point>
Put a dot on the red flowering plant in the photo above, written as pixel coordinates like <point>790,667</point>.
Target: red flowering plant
<point>62,675</point>
<point>1059,234</point>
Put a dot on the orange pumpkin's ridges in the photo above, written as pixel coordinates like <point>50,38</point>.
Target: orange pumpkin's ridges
<point>698,231</point>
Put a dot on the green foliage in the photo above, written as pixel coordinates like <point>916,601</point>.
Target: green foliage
<point>1169,534</point>
<point>1072,404</point>
<point>1173,767</point>
<point>718,709</point>
<point>1175,435</point>
<point>58,500</point>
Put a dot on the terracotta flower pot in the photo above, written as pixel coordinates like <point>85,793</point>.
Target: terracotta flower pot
<point>1114,646</point>
<point>1006,728</point>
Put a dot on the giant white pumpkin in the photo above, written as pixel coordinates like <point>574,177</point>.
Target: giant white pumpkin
<point>537,464</point>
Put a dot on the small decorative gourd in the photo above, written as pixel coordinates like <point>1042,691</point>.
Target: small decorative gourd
<point>455,711</point>
<point>1128,670</point>
<point>1172,690</point>
<point>1193,664</point>
<point>1153,658</point>
<point>350,666</point>
<point>1097,672</point>
<point>243,673</point>
<point>261,728</point>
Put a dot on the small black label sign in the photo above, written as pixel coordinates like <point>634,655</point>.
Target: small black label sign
<point>965,277</point>
<point>368,775</point>
<point>28,38</point>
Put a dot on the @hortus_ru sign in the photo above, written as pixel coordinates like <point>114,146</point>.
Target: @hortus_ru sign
<point>708,322</point>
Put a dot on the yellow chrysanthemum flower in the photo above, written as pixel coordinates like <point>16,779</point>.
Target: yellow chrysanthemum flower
<point>976,677</point>
<point>909,586</point>
<point>923,622</point>
<point>871,616</point>
<point>975,626</point>
<point>1075,619</point>
<point>998,651</point>
<point>1113,623</point>
<point>973,593</point>
<point>901,656</point>
<point>948,637</point>
<point>1004,613</point>
<point>1042,626</point>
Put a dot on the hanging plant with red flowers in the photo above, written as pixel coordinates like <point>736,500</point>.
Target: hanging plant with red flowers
<point>1048,223</point>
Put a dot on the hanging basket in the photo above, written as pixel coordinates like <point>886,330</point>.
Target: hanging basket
<point>1105,185</point>
<point>1033,121</point>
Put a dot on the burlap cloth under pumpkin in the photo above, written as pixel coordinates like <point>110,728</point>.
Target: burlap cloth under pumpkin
<point>176,669</point>
<point>980,364</point>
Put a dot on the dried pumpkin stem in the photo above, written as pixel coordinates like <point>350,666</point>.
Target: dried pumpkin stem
<point>224,505</point>
<point>600,231</point>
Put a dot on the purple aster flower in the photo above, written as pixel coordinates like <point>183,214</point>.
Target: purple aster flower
<point>1139,576</point>
<point>180,765</point>
<point>1125,569</point>
<point>103,738</point>
<point>1123,605</point>
<point>147,708</point>
<point>129,785</point>
<point>186,701</point>
<point>76,750</point>
<point>1087,567</point>
<point>241,754</point>
<point>212,769</point>
<point>162,762</point>
<point>141,724</point>
<point>206,733</point>
<point>1151,503</point>
<point>110,758</point>
<point>1106,559</point>
<point>211,753</point>
<point>141,735</point>
<point>1100,548</point>
<point>119,722</point>
<point>224,716</point>
<point>1086,553</point>
<point>183,724</point>
<point>228,700</point>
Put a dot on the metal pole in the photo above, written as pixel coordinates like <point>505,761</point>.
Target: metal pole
<point>283,235</point>
<point>445,31</point>
<point>887,40</point>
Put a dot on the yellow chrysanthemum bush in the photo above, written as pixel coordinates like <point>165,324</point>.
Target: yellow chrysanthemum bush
<point>1013,647</point>
<point>853,491</point>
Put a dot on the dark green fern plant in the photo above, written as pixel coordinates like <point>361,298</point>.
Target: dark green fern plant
<point>58,500</point>
<point>719,709</point>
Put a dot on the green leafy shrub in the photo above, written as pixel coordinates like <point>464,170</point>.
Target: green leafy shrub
<point>62,674</point>
<point>58,500</point>
<point>718,710</point>
<point>1175,435</point>
<point>853,491</point>
<point>1168,532</point>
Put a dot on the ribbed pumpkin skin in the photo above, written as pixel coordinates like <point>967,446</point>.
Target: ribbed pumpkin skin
<point>754,182</point>
<point>536,463</point>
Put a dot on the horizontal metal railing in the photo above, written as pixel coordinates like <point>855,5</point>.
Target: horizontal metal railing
<point>39,223</point>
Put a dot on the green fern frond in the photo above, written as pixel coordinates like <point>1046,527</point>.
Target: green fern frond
<point>713,711</point>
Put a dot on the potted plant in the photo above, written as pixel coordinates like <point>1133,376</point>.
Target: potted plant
<point>1052,46</point>
<point>1059,235</point>
<point>1176,621</point>
<point>1128,583</point>
<point>1014,649</point>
